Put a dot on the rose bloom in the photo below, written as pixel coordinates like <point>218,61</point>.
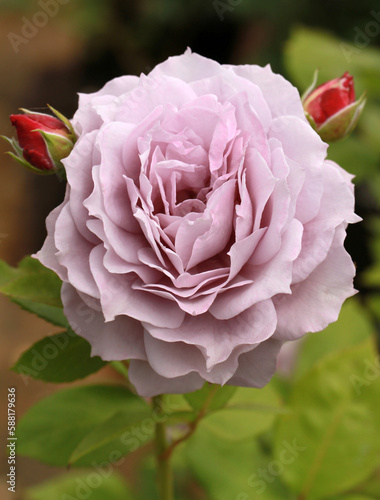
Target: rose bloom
<point>202,225</point>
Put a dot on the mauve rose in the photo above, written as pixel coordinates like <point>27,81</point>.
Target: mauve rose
<point>202,225</point>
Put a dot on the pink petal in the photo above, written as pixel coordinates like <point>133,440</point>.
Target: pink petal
<point>257,367</point>
<point>48,253</point>
<point>150,94</point>
<point>280,95</point>
<point>267,280</point>
<point>304,146</point>
<point>188,67</point>
<point>218,339</point>
<point>80,180</point>
<point>120,339</point>
<point>148,383</point>
<point>86,118</point>
<point>73,253</point>
<point>111,142</point>
<point>118,297</point>
<point>316,302</point>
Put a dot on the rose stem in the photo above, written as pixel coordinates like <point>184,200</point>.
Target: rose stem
<point>164,473</point>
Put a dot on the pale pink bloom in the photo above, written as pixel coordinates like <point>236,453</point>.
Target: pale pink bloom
<point>202,225</point>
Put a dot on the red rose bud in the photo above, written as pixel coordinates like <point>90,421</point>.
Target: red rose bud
<point>42,141</point>
<point>331,108</point>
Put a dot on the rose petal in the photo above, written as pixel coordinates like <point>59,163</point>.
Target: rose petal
<point>117,297</point>
<point>257,367</point>
<point>281,96</point>
<point>218,339</point>
<point>48,253</point>
<point>316,302</point>
<point>189,67</point>
<point>80,180</point>
<point>267,280</point>
<point>304,146</point>
<point>148,383</point>
<point>120,339</point>
<point>73,253</point>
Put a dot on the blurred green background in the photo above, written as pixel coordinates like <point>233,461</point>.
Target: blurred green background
<point>52,49</point>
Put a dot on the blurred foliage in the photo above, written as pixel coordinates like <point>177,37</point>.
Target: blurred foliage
<point>99,485</point>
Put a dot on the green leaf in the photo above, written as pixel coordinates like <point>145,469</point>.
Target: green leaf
<point>52,314</point>
<point>62,357</point>
<point>31,281</point>
<point>98,484</point>
<point>309,49</point>
<point>333,424</point>
<point>7,273</point>
<point>354,155</point>
<point>352,328</point>
<point>211,396</point>
<point>249,412</point>
<point>51,430</point>
<point>123,433</point>
<point>238,470</point>
<point>370,125</point>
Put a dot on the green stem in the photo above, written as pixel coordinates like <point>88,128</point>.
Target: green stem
<point>193,425</point>
<point>120,367</point>
<point>164,473</point>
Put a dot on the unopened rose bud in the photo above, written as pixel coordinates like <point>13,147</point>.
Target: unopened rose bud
<point>42,141</point>
<point>331,108</point>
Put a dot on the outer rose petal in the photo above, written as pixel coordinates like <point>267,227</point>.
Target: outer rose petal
<point>188,67</point>
<point>80,180</point>
<point>116,340</point>
<point>148,383</point>
<point>47,255</point>
<point>87,118</point>
<point>218,339</point>
<point>257,367</point>
<point>282,97</point>
<point>316,302</point>
<point>74,253</point>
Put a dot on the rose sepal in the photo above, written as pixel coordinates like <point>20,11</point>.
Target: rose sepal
<point>18,156</point>
<point>311,87</point>
<point>310,119</point>
<point>342,123</point>
<point>58,147</point>
<point>66,121</point>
